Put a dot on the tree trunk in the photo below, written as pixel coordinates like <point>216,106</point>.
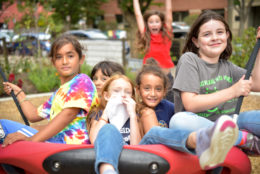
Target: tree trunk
<point>230,13</point>
<point>131,33</point>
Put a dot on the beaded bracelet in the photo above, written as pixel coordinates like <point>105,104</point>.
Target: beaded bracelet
<point>100,118</point>
<point>18,93</point>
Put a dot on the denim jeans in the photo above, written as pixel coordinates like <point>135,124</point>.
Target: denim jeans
<point>109,142</point>
<point>10,126</point>
<point>249,120</point>
<point>108,146</point>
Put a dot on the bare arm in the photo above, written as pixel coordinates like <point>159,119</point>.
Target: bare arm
<point>200,102</point>
<point>256,70</point>
<point>29,110</point>
<point>139,16</point>
<point>168,14</point>
<point>56,125</point>
<point>148,119</point>
<point>96,125</point>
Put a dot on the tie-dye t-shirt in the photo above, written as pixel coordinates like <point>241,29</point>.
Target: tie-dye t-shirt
<point>79,92</point>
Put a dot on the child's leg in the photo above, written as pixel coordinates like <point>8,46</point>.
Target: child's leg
<point>173,138</point>
<point>250,121</point>
<point>108,146</point>
<point>189,121</point>
<point>212,143</point>
<point>9,126</point>
<point>193,122</point>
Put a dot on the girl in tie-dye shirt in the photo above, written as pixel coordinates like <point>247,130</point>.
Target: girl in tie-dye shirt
<point>66,109</point>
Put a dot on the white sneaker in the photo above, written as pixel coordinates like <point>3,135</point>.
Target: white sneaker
<point>214,143</point>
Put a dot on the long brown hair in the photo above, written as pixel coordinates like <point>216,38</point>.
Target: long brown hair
<point>204,17</point>
<point>143,42</point>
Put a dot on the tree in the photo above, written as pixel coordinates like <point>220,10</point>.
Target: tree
<point>242,8</point>
<point>71,11</point>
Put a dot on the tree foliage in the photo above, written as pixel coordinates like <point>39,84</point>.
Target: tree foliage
<point>72,11</point>
<point>243,8</point>
<point>243,46</point>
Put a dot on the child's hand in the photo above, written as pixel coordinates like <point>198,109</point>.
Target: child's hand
<point>242,87</point>
<point>13,137</point>
<point>130,106</point>
<point>8,87</point>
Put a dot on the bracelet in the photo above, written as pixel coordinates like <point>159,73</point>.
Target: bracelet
<point>101,118</point>
<point>18,93</point>
<point>23,100</point>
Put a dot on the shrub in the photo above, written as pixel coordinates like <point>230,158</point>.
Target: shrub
<point>44,78</point>
<point>243,46</point>
<point>86,69</point>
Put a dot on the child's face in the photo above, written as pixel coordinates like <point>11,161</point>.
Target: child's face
<point>119,87</point>
<point>99,80</point>
<point>151,90</point>
<point>154,24</point>
<point>212,40</point>
<point>67,62</point>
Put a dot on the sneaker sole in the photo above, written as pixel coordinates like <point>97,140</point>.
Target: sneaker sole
<point>223,139</point>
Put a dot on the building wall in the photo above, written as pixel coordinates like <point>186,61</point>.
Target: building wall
<point>194,6</point>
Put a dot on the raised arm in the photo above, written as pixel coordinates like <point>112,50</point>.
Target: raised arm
<point>168,14</point>
<point>139,16</point>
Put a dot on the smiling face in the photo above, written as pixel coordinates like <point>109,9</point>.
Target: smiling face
<point>151,89</point>
<point>212,40</point>
<point>154,23</point>
<point>67,62</point>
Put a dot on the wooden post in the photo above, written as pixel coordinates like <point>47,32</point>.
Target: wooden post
<point>5,53</point>
<point>124,52</point>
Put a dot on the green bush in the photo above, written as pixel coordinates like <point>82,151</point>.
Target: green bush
<point>243,46</point>
<point>130,74</point>
<point>86,69</point>
<point>44,78</point>
<point>190,19</point>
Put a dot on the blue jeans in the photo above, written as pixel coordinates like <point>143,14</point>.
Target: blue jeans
<point>10,126</point>
<point>109,143</point>
<point>108,146</point>
<point>249,120</point>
